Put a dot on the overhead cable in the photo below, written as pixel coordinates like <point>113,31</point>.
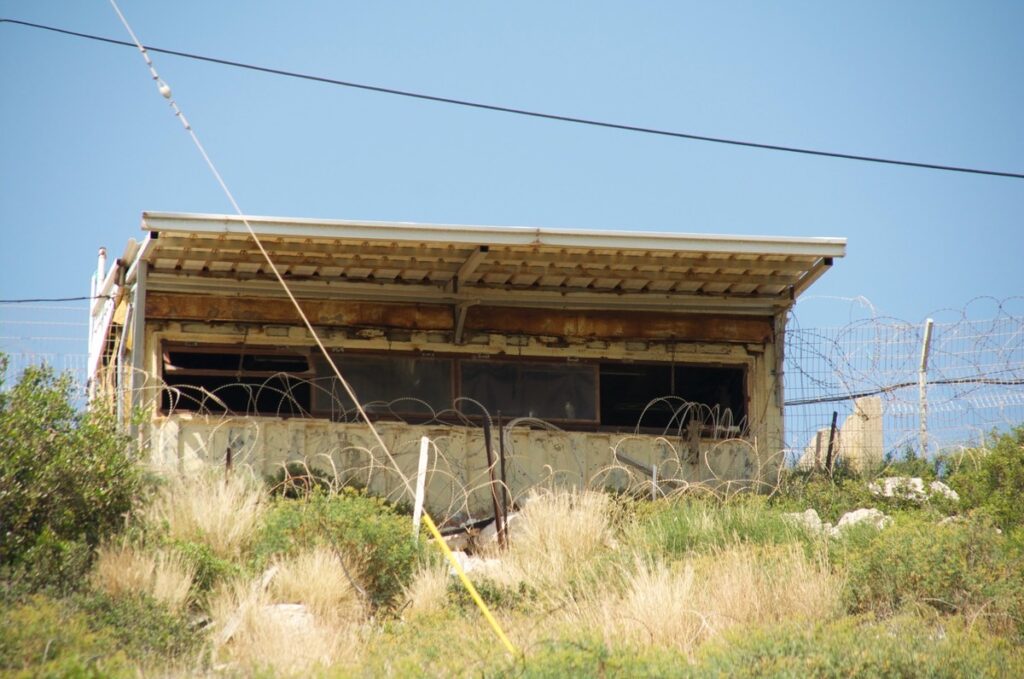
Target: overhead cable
<point>526,112</point>
<point>165,92</point>
<point>53,299</point>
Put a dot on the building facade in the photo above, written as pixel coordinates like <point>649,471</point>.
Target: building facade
<point>605,359</point>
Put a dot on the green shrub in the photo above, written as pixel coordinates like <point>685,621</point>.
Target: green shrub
<point>67,478</point>
<point>90,635</point>
<point>963,567</point>
<point>909,463</point>
<point>520,596</point>
<point>210,568</point>
<point>831,497</point>
<point>40,636</point>
<point>992,479</point>
<point>142,628</point>
<point>851,647</point>
<point>296,480</point>
<point>676,528</point>
<point>365,529</point>
<point>554,660</point>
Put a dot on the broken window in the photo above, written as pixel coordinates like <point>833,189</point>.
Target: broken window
<point>385,385</point>
<point>549,391</point>
<point>240,381</point>
<point>669,396</point>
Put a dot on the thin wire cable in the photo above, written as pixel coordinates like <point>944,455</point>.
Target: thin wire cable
<point>530,113</point>
<point>165,91</point>
<point>52,299</point>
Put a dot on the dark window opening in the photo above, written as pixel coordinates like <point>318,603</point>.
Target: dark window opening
<point>236,381</point>
<point>549,391</point>
<point>627,390</point>
<point>415,388</point>
<point>663,396</point>
<point>385,385</point>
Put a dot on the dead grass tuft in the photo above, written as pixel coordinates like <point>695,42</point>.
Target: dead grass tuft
<point>427,594</point>
<point>317,579</point>
<point>556,535</point>
<point>206,508</point>
<point>682,604</point>
<point>252,633</point>
<point>123,570</point>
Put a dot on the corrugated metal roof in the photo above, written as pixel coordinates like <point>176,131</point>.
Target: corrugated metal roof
<point>522,266</point>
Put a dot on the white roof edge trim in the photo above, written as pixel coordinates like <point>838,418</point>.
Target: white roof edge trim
<point>494,235</point>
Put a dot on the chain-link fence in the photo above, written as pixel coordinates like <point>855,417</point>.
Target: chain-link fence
<point>899,385</point>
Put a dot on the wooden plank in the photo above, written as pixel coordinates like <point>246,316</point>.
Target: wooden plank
<point>213,308</point>
<point>621,325</point>
<point>439,317</point>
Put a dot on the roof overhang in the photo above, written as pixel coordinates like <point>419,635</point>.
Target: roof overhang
<point>464,265</point>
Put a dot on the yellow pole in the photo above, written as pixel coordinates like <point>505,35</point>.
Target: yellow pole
<point>466,582</point>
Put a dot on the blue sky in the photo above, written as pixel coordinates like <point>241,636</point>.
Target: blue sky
<point>89,144</point>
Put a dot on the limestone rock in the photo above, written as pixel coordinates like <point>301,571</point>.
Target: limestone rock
<point>911,488</point>
<point>868,515</point>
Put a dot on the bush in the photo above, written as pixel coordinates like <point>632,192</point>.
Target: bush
<point>676,528</point>
<point>67,478</point>
<point>140,627</point>
<point>91,635</point>
<point>830,497</point>
<point>366,530</point>
<point>210,569</point>
<point>43,637</point>
<point>964,568</point>
<point>851,647</point>
<point>296,480</point>
<point>992,479</point>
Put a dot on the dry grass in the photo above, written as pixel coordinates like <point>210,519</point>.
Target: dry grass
<point>122,570</point>
<point>556,535</point>
<point>317,579</point>
<point>682,604</point>
<point>427,594</point>
<point>252,633</point>
<point>206,508</point>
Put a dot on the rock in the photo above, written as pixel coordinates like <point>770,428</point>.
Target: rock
<point>939,488</point>
<point>489,534</point>
<point>458,542</point>
<point>869,515</point>
<point>295,617</point>
<point>808,519</point>
<point>911,488</point>
<point>470,564</point>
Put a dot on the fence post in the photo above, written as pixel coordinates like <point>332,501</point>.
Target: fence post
<point>421,481</point>
<point>922,385</point>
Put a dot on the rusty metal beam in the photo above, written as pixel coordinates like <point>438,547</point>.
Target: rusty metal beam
<point>467,316</point>
<point>213,308</point>
<point>621,325</point>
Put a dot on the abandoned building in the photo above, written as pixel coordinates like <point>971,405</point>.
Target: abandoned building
<point>602,357</point>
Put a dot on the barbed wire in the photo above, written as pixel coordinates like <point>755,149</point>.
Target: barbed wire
<point>975,378</point>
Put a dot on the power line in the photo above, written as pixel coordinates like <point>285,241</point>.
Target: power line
<point>53,299</point>
<point>525,112</point>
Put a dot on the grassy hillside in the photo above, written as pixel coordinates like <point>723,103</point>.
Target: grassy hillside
<point>105,572</point>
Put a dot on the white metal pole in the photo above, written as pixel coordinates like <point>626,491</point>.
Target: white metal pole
<point>421,482</point>
<point>922,385</point>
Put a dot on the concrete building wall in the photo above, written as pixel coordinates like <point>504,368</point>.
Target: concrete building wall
<point>458,475</point>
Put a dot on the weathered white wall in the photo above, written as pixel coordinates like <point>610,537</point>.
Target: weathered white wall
<point>458,476</point>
